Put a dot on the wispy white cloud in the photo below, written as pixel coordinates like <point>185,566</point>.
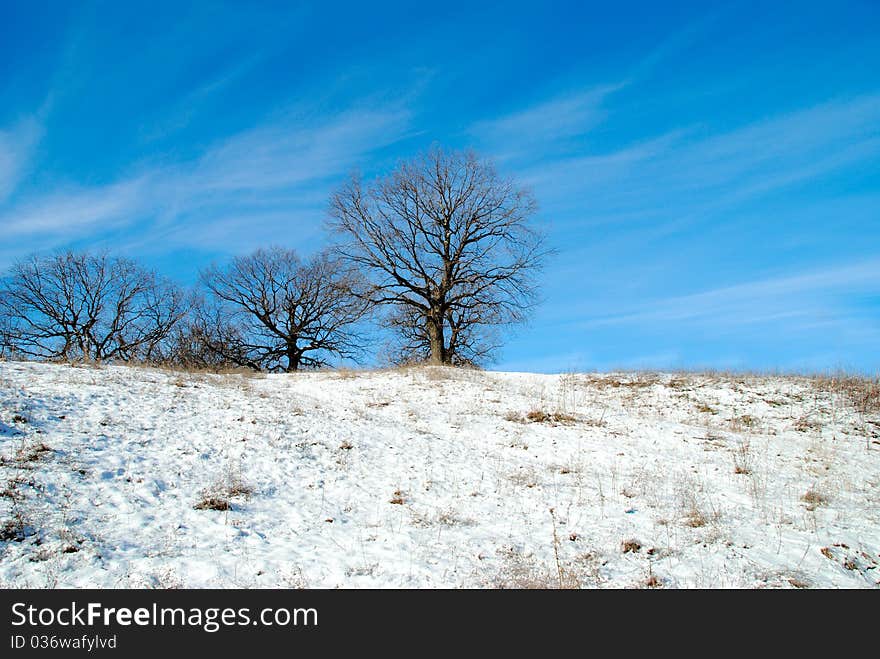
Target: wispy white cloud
<point>793,301</point>
<point>67,213</point>
<point>294,151</point>
<point>17,145</point>
<point>692,172</point>
<point>274,170</point>
<point>546,123</point>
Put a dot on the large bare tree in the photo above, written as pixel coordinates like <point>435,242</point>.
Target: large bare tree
<point>82,306</point>
<point>272,311</point>
<point>450,245</point>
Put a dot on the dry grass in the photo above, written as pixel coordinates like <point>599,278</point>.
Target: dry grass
<point>542,416</point>
<point>798,582</point>
<point>27,453</point>
<point>696,517</point>
<point>15,529</point>
<point>806,424</point>
<point>630,546</point>
<point>525,477</point>
<point>652,582</point>
<point>212,502</point>
<point>238,488</point>
<point>743,423</point>
<point>537,580</point>
<point>192,369</point>
<point>862,393</point>
<point>814,498</point>
<point>742,458</point>
<point>522,572</point>
<point>218,496</point>
<point>636,380</point>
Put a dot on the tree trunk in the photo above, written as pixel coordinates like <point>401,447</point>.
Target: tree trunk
<point>436,340</point>
<point>293,358</point>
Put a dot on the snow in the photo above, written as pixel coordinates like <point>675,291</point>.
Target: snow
<point>433,477</point>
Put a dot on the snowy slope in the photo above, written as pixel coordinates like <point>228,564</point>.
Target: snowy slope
<point>432,478</point>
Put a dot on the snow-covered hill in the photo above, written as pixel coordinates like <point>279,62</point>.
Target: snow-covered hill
<point>135,477</point>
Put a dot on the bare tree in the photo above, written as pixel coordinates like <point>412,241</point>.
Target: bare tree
<point>192,343</point>
<point>449,244</point>
<point>7,349</point>
<point>276,312</point>
<point>92,307</point>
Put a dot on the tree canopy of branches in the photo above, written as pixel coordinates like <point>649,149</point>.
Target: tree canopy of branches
<point>272,311</point>
<point>82,306</point>
<point>449,244</point>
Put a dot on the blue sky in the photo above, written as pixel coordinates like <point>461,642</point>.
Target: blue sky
<point>709,173</point>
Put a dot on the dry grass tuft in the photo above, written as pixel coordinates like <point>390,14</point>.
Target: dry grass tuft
<point>212,502</point>
<point>745,422</point>
<point>742,458</point>
<point>217,497</point>
<point>696,518</point>
<point>813,498</point>
<point>652,582</point>
<point>630,546</point>
<point>806,424</point>
<point>542,416</point>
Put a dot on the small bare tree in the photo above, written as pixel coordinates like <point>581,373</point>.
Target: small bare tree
<point>272,311</point>
<point>92,307</point>
<point>449,244</point>
<point>192,343</point>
